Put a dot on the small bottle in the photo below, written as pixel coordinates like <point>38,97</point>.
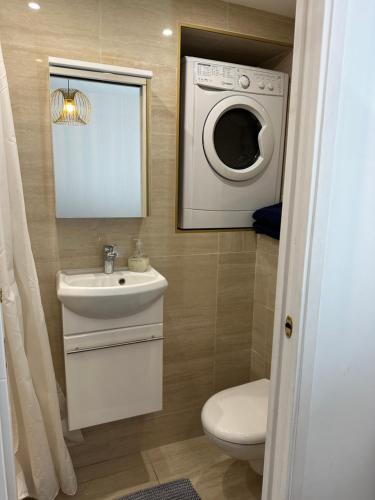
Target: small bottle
<point>138,262</point>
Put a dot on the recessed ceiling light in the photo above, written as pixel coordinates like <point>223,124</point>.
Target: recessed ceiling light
<point>39,60</point>
<point>34,6</point>
<point>167,32</point>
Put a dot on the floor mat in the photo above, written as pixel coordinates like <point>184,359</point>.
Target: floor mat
<point>181,489</point>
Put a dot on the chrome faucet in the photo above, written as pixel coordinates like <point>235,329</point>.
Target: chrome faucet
<point>110,254</point>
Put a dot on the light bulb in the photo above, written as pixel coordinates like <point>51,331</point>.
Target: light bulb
<point>69,106</point>
<point>34,6</point>
<point>167,32</point>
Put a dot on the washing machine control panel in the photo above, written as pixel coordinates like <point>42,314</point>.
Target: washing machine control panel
<point>254,80</point>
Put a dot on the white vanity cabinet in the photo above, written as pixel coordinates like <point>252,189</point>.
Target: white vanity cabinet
<point>113,374</point>
<point>113,367</point>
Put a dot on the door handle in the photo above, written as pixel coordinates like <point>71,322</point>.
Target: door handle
<point>109,346</point>
<point>288,326</point>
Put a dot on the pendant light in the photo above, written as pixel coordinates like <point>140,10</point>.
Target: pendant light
<point>70,107</point>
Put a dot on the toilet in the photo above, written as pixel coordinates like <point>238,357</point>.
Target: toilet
<point>235,420</point>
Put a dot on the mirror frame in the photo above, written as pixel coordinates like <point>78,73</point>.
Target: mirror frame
<point>145,85</point>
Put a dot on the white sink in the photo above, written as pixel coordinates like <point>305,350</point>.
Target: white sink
<point>99,295</point>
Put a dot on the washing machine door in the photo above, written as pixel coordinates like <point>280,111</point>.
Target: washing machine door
<point>238,138</point>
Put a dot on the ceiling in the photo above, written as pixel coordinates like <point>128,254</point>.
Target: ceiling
<point>283,7</point>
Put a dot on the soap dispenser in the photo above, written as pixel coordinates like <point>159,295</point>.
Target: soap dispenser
<point>138,262</point>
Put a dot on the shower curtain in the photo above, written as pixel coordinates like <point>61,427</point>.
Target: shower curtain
<point>43,463</point>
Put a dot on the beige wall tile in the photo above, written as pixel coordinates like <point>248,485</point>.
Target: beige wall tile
<point>270,313</point>
<point>187,383</point>
<point>211,13</point>
<point>190,306</point>
<point>234,318</point>
<point>136,28</point>
<point>259,23</point>
<point>266,244</point>
<point>237,241</point>
<point>259,332</point>
<point>232,368</point>
<point>235,293</point>
<point>268,369</point>
<point>250,241</point>
<point>265,279</point>
<point>231,241</point>
<point>264,306</point>
<point>167,242</point>
<point>57,26</point>
<point>258,366</point>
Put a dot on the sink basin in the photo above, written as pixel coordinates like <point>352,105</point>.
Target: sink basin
<point>99,295</point>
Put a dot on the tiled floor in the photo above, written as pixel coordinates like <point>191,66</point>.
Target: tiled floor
<point>214,475</point>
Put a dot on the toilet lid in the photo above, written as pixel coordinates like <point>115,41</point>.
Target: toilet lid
<point>239,414</point>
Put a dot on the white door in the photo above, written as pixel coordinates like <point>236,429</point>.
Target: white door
<point>321,426</point>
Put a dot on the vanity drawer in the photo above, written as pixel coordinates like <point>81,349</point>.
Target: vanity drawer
<point>113,374</point>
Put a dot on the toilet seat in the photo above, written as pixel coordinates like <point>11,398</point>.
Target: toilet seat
<point>238,415</point>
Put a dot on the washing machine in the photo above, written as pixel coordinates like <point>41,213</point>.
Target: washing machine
<point>231,142</point>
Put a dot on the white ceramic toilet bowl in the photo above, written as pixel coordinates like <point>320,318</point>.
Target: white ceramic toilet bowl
<point>235,420</point>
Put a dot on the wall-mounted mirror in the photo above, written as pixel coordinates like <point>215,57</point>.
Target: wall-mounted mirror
<point>99,135</point>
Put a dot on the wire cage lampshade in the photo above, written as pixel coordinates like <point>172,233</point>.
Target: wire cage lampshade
<point>70,107</point>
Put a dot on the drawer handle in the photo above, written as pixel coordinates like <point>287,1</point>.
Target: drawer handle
<point>108,346</point>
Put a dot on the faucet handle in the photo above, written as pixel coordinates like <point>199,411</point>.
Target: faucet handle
<point>111,250</point>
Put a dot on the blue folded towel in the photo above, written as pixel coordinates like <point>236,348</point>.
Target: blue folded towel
<point>268,220</point>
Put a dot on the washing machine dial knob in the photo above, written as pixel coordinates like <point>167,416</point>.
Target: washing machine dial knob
<point>261,84</point>
<point>244,81</point>
<point>270,86</point>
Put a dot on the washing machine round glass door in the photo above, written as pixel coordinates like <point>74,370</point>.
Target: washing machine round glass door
<point>238,138</point>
